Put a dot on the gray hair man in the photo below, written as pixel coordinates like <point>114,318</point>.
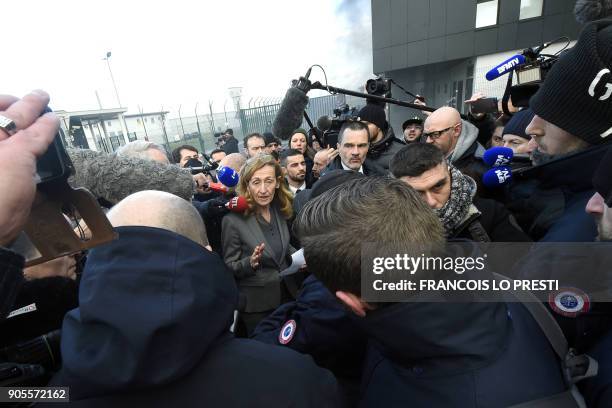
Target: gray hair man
<point>353,145</point>
<point>144,150</point>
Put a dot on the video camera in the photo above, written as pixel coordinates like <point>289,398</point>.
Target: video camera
<point>531,67</point>
<point>330,126</point>
<point>30,362</point>
<point>48,234</point>
<point>197,166</point>
<point>380,86</point>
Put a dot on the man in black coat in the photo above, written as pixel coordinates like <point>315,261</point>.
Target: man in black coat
<point>570,133</point>
<point>231,143</point>
<point>452,195</point>
<point>153,324</point>
<point>353,145</point>
<point>383,143</point>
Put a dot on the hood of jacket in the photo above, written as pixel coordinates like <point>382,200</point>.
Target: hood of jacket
<point>468,137</point>
<point>151,304</point>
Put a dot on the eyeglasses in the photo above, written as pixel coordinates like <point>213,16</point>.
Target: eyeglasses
<point>436,135</point>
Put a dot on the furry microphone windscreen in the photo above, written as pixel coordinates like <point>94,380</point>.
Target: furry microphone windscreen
<point>290,114</point>
<point>591,10</point>
<point>113,177</point>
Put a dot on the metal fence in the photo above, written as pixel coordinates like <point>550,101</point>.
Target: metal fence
<point>260,118</point>
<point>199,130</point>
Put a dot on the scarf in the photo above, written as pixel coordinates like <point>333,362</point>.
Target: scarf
<point>463,189</point>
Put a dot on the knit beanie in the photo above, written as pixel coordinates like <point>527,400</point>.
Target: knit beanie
<point>577,92</point>
<point>374,114</point>
<point>602,179</point>
<point>518,123</point>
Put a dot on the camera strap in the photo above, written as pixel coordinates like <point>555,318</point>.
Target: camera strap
<point>506,96</point>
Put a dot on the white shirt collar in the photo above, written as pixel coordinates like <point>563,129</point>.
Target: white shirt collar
<point>296,189</point>
<point>348,168</point>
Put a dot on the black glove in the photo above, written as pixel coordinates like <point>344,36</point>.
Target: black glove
<point>213,208</point>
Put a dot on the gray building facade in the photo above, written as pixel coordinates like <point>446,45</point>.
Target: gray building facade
<point>441,48</point>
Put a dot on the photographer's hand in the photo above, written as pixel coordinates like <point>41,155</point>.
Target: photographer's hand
<point>331,154</point>
<point>201,181</point>
<point>18,155</point>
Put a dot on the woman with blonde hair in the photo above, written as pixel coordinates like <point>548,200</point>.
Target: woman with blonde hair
<point>256,244</point>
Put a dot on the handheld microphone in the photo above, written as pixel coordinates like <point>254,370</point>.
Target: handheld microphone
<point>498,156</point>
<point>228,176</point>
<point>218,187</point>
<point>506,66</point>
<point>237,204</point>
<point>497,177</point>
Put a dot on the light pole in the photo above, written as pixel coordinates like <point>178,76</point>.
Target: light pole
<point>198,124</point>
<point>181,120</point>
<point>107,58</point>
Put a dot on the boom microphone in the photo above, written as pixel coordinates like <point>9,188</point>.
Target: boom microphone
<point>498,156</point>
<point>324,123</point>
<point>237,204</point>
<point>506,66</point>
<point>497,177</point>
<point>112,178</point>
<point>289,115</point>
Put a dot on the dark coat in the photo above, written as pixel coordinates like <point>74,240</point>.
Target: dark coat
<point>423,354</point>
<point>497,222</point>
<point>369,167</point>
<point>231,146</point>
<point>239,236</point>
<point>456,355</point>
<point>382,152</point>
<point>152,329</point>
<point>324,329</point>
<point>11,279</point>
<point>548,201</point>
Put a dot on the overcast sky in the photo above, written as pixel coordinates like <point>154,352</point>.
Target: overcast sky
<point>180,51</point>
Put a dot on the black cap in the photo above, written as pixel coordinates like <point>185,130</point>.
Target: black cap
<point>414,119</point>
<point>374,114</point>
<point>517,125</point>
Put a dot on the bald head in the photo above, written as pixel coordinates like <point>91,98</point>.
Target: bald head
<point>160,210</point>
<point>444,129</point>
<point>320,161</point>
<point>444,116</point>
<point>233,161</point>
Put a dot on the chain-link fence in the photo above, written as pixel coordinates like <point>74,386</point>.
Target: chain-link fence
<point>199,131</point>
<point>260,118</point>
